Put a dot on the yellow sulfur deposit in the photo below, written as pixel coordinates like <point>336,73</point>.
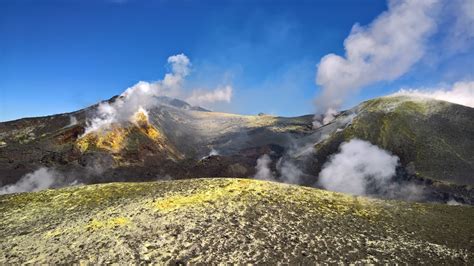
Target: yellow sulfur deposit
<point>111,140</point>
<point>108,224</point>
<point>231,190</point>
<point>117,137</point>
<point>141,120</point>
<point>221,220</point>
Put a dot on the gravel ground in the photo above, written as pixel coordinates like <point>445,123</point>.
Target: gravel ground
<point>227,220</point>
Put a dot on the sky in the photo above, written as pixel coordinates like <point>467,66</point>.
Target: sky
<point>63,55</point>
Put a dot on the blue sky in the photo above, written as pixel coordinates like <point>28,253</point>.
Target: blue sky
<point>60,56</point>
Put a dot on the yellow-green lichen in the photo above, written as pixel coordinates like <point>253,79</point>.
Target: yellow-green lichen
<point>225,220</point>
<point>209,195</point>
<point>109,223</point>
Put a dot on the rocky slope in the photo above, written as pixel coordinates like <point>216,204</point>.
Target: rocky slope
<point>174,136</point>
<point>227,220</point>
<point>433,140</point>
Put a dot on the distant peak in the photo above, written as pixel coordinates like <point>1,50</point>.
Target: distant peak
<point>179,104</point>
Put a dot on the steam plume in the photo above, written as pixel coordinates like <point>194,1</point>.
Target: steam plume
<point>288,167</point>
<point>143,95</point>
<point>72,121</point>
<point>453,202</point>
<point>361,168</point>
<point>383,50</point>
<point>40,179</point>
<point>390,45</point>
<point>289,172</point>
<point>200,97</point>
<point>213,152</point>
<point>263,168</point>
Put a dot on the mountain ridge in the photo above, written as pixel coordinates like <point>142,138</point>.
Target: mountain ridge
<point>184,139</point>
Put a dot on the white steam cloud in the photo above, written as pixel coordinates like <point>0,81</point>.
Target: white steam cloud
<point>286,170</point>
<point>361,168</point>
<point>263,168</point>
<point>392,44</point>
<point>72,121</point>
<point>213,152</point>
<point>142,95</point>
<point>200,97</point>
<point>453,202</point>
<point>40,179</point>
<point>328,117</point>
<point>173,82</point>
<point>357,164</point>
<point>460,93</point>
<point>289,172</point>
<point>383,50</point>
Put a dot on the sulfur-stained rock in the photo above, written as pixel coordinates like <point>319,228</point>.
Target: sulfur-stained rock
<point>222,220</point>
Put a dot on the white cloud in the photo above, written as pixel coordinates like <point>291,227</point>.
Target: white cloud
<point>180,64</point>
<point>429,31</point>
<point>461,33</point>
<point>460,93</point>
<point>203,97</point>
<point>40,179</point>
<point>383,50</point>
<point>172,83</point>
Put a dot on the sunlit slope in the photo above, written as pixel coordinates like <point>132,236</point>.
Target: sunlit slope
<point>195,132</point>
<point>168,140</point>
<point>434,139</point>
<point>226,220</point>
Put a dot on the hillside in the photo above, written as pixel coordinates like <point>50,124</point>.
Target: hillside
<point>175,140</point>
<point>174,136</point>
<point>433,137</point>
<point>227,220</point>
<point>433,140</point>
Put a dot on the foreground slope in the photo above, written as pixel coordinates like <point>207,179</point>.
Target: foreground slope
<point>227,220</point>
